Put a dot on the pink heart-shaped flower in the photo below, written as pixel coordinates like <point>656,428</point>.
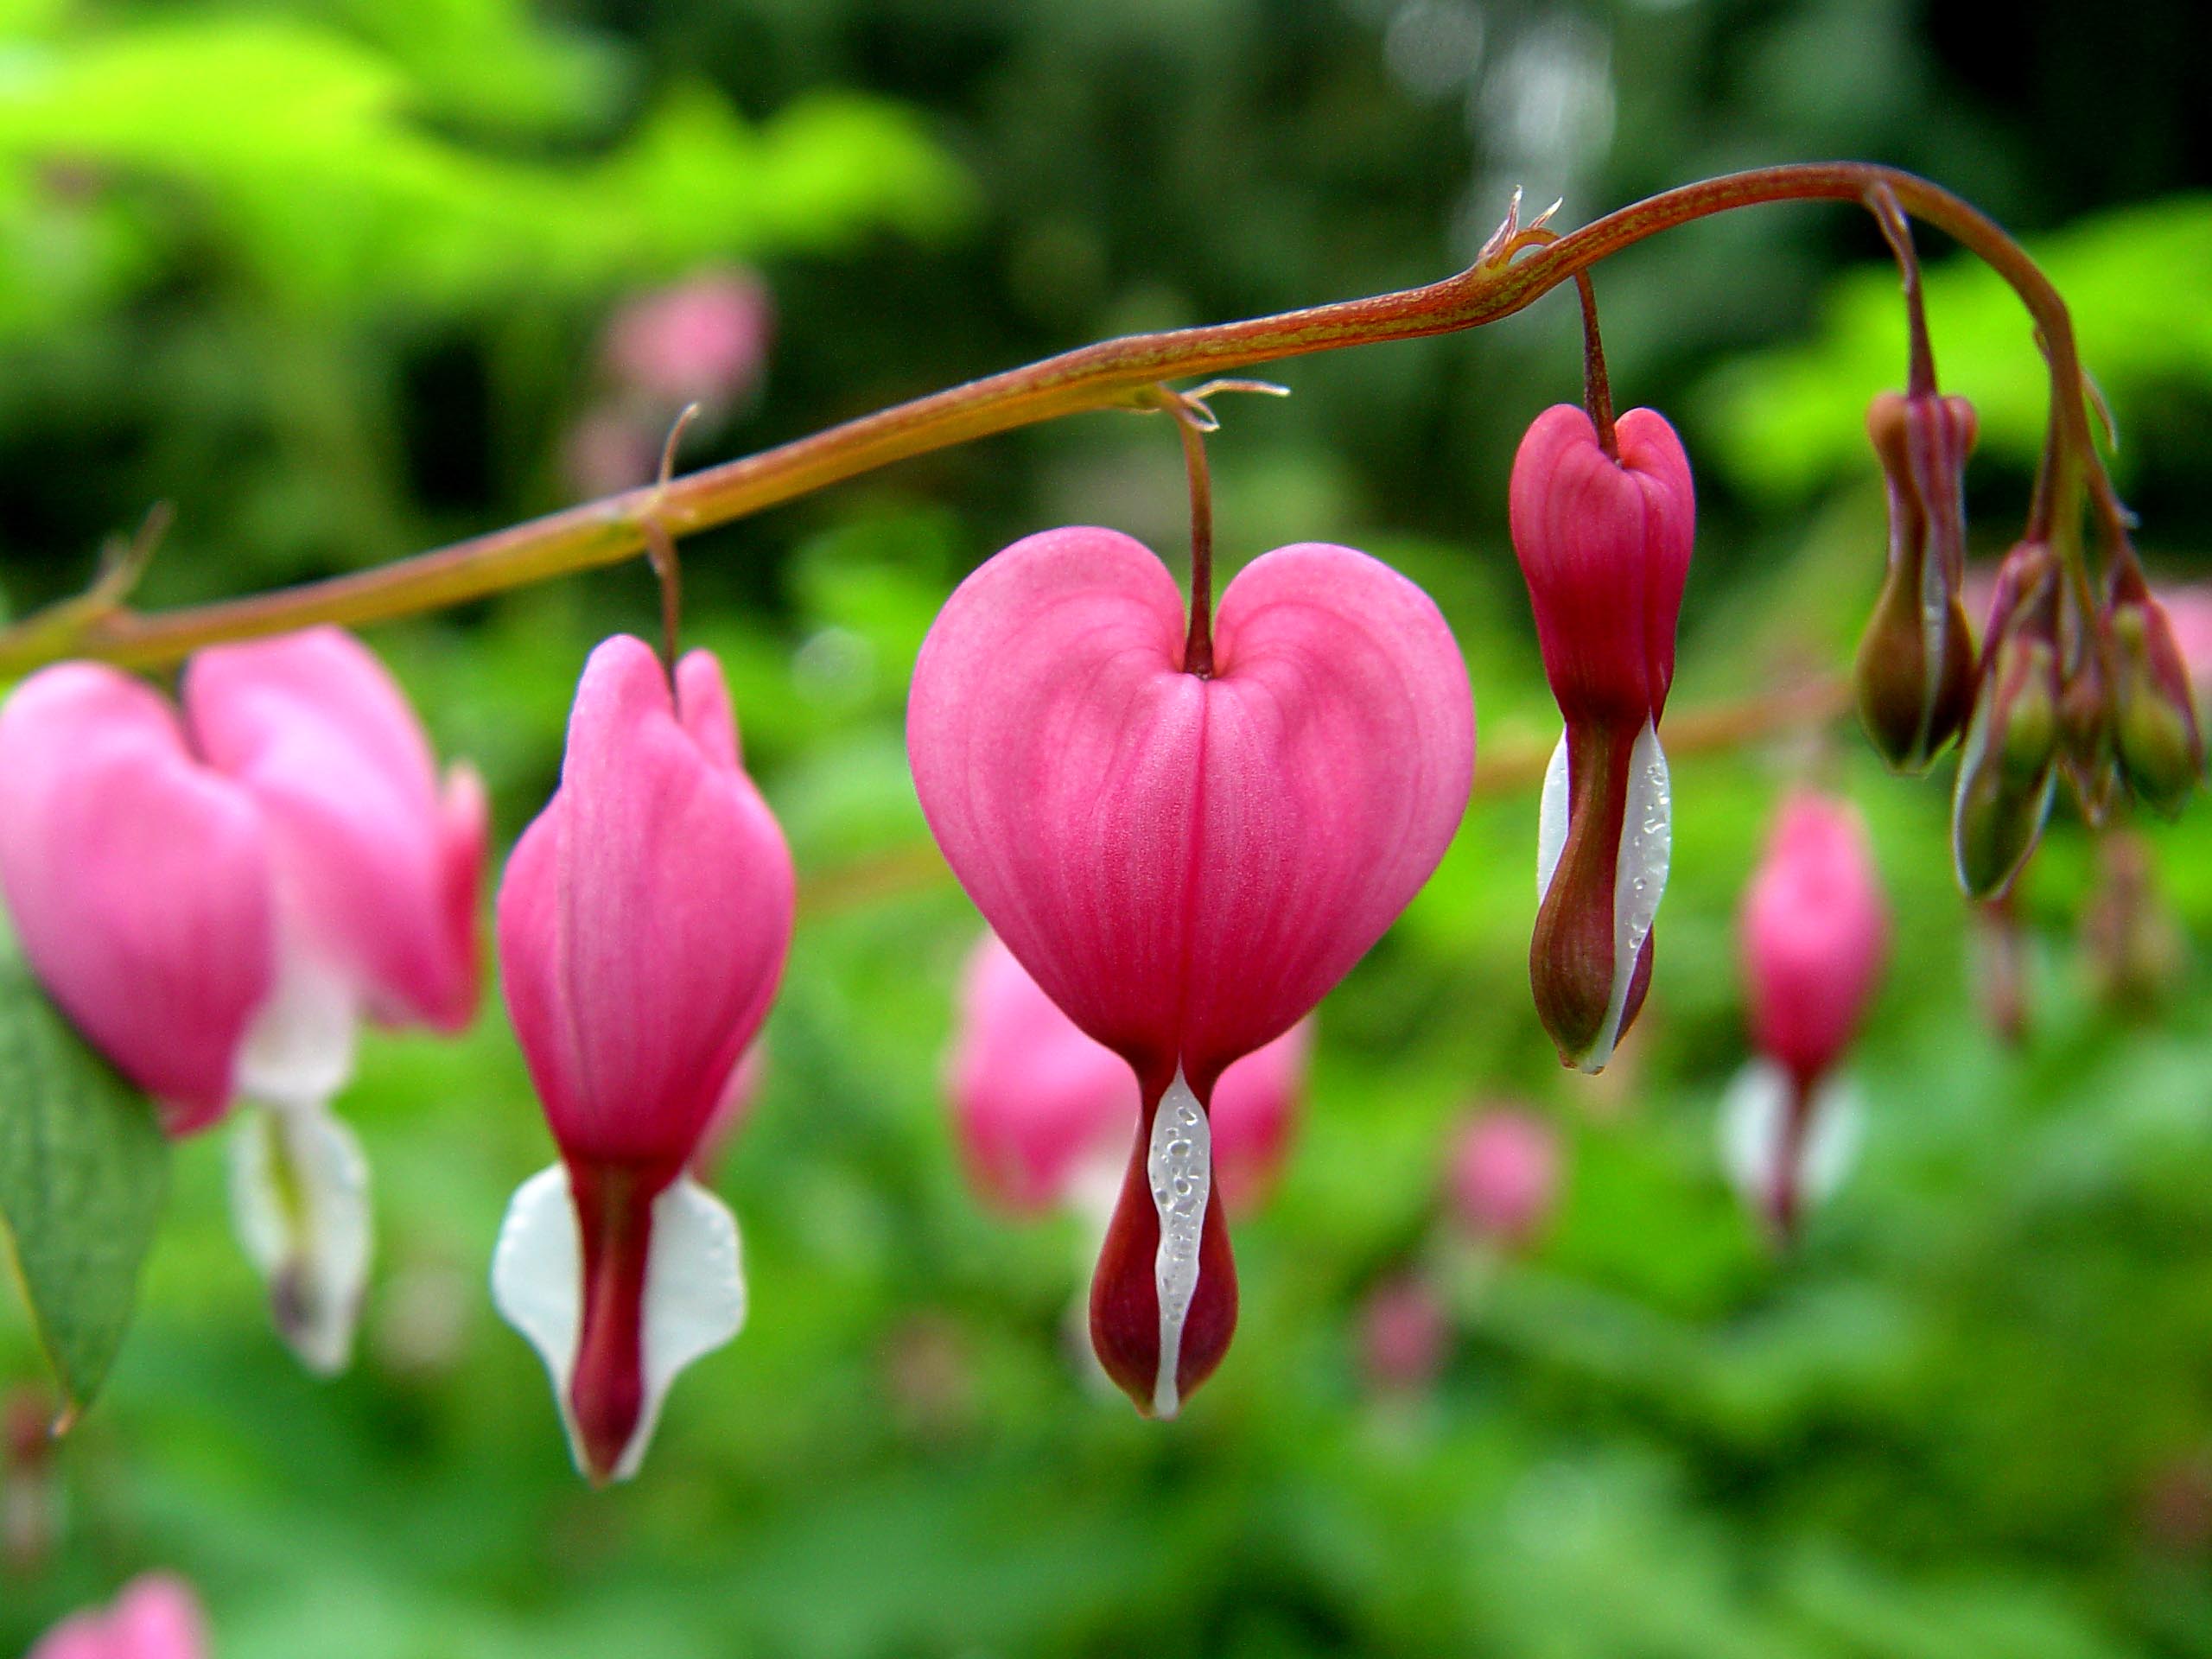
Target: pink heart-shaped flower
<point>1187,865</point>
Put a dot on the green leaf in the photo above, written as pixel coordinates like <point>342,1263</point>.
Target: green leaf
<point>84,1168</point>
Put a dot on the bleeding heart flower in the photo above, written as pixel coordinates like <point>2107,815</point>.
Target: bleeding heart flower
<point>1039,1105</point>
<point>1504,1178</point>
<point>1604,542</point>
<point>1184,863</point>
<point>217,898</point>
<point>156,1617</point>
<point>643,925</point>
<point>1814,933</point>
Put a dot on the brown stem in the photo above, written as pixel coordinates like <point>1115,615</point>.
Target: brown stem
<point>1596,389</point>
<point>1897,230</point>
<point>1112,373</point>
<point>1198,644</point>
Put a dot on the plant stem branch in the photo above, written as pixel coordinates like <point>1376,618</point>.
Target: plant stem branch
<point>1110,374</point>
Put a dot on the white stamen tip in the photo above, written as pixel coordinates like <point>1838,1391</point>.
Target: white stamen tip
<point>1179,1162</point>
<point>695,1290</point>
<point>300,1201</point>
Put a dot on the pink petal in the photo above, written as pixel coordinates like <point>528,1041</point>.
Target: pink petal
<point>370,863</point>
<point>1186,866</point>
<point>157,1617</point>
<point>1033,1096</point>
<point>140,883</point>
<point>81,1635</point>
<point>1604,545</point>
<point>644,919</point>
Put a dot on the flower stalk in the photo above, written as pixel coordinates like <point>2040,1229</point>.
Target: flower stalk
<point>1115,373</point>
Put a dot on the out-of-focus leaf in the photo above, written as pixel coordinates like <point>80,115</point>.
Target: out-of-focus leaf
<point>84,1168</point>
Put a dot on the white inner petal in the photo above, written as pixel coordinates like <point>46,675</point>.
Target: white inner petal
<point>1180,1164</point>
<point>299,1050</point>
<point>300,1201</point>
<point>1639,880</point>
<point>1754,1115</point>
<point>695,1296</point>
<point>1551,819</point>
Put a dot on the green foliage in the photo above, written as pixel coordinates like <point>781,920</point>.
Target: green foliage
<point>83,1172</point>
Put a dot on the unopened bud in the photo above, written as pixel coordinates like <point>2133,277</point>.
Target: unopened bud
<point>1914,668</point>
<point>2131,944</point>
<point>2009,764</point>
<point>2154,730</point>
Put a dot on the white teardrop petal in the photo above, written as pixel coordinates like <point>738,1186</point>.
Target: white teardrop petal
<point>1551,819</point>
<point>300,1201</point>
<point>694,1298</point>
<point>1179,1162</point>
<point>299,1050</point>
<point>1639,879</point>
<point>1754,1117</point>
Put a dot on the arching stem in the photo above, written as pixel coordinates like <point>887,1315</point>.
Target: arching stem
<point>1198,644</point>
<point>1115,373</point>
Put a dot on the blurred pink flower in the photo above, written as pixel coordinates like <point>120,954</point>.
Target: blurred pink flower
<point>213,895</point>
<point>703,340</point>
<point>1037,1102</point>
<point>1504,1179</point>
<point>156,1617</point>
<point>1403,1333</point>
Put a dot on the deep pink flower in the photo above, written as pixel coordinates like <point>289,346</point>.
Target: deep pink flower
<point>1504,1178</point>
<point>1037,1102</point>
<point>1186,864</point>
<point>1815,932</point>
<point>156,1617</point>
<point>700,341</point>
<point>642,924</point>
<point>1604,545</point>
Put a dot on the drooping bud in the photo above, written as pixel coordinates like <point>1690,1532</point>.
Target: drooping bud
<point>156,1617</point>
<point>218,897</point>
<point>1038,1103</point>
<point>701,341</point>
<point>643,925</point>
<point>1813,935</point>
<point>1604,546</point>
<point>2132,944</point>
<point>1186,864</point>
<point>1914,671</point>
<point>2154,728</point>
<point>1404,1331</point>
<point>1504,1179</point>
<point>2009,762</point>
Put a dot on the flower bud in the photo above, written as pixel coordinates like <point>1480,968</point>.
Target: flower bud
<point>701,340</point>
<point>1604,545</point>
<point>2155,734</point>
<point>2009,763</point>
<point>1504,1179</point>
<point>2132,944</point>
<point>1814,935</point>
<point>643,925</point>
<point>1915,669</point>
<point>1404,1333</point>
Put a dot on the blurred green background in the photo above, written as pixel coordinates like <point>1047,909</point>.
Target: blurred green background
<point>334,278</point>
